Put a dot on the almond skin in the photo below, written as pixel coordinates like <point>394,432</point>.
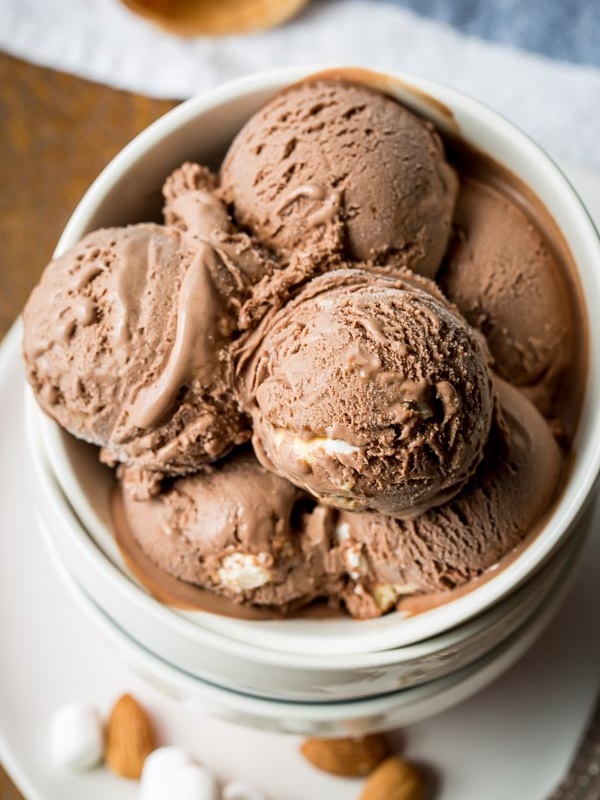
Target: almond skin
<point>394,779</point>
<point>348,758</point>
<point>129,738</point>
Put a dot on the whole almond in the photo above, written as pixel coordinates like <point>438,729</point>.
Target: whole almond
<point>394,779</point>
<point>349,758</point>
<point>129,738</point>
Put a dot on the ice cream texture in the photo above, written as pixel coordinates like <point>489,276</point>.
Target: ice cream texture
<point>504,278</point>
<point>449,545</point>
<point>122,346</point>
<point>239,530</point>
<point>380,320</point>
<point>370,392</point>
<point>341,169</point>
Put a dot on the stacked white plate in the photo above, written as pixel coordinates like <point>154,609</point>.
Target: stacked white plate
<point>307,675</point>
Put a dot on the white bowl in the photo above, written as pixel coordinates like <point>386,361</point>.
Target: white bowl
<point>200,129</point>
<point>271,674</point>
<point>354,718</point>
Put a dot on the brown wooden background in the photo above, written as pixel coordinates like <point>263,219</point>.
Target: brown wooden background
<point>57,133</point>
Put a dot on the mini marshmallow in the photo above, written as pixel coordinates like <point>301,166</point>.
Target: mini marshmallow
<point>241,791</point>
<point>243,571</point>
<point>191,782</point>
<point>77,737</point>
<point>155,782</point>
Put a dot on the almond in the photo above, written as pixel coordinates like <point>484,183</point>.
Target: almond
<point>129,738</point>
<point>349,758</point>
<point>394,779</point>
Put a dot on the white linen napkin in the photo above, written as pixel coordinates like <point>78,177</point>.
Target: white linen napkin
<point>554,101</point>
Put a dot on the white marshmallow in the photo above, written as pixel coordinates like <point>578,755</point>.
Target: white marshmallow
<point>342,532</point>
<point>191,782</point>
<point>241,791</point>
<point>355,561</point>
<point>77,737</point>
<point>243,571</point>
<point>311,450</point>
<point>155,783</point>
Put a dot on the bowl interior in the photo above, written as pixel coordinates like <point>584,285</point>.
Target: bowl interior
<point>201,129</point>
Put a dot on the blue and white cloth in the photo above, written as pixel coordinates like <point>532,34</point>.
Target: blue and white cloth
<point>538,62</point>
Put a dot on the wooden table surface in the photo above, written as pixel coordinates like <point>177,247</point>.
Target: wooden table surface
<point>57,134</point>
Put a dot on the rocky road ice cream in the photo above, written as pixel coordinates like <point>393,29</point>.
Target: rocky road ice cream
<point>504,278</point>
<point>123,344</point>
<point>344,170</point>
<point>450,544</point>
<point>238,530</point>
<point>371,392</point>
<point>337,369</point>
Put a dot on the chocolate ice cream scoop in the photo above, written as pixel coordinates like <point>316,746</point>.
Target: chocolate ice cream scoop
<point>451,544</point>
<point>238,530</point>
<point>123,345</point>
<point>502,275</point>
<point>258,281</point>
<point>333,167</point>
<point>371,392</point>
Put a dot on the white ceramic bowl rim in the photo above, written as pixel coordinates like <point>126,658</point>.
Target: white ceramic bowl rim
<point>481,126</point>
<point>117,581</point>
<point>418,702</point>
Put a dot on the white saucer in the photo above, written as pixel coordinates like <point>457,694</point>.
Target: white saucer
<point>342,718</point>
<point>511,741</point>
